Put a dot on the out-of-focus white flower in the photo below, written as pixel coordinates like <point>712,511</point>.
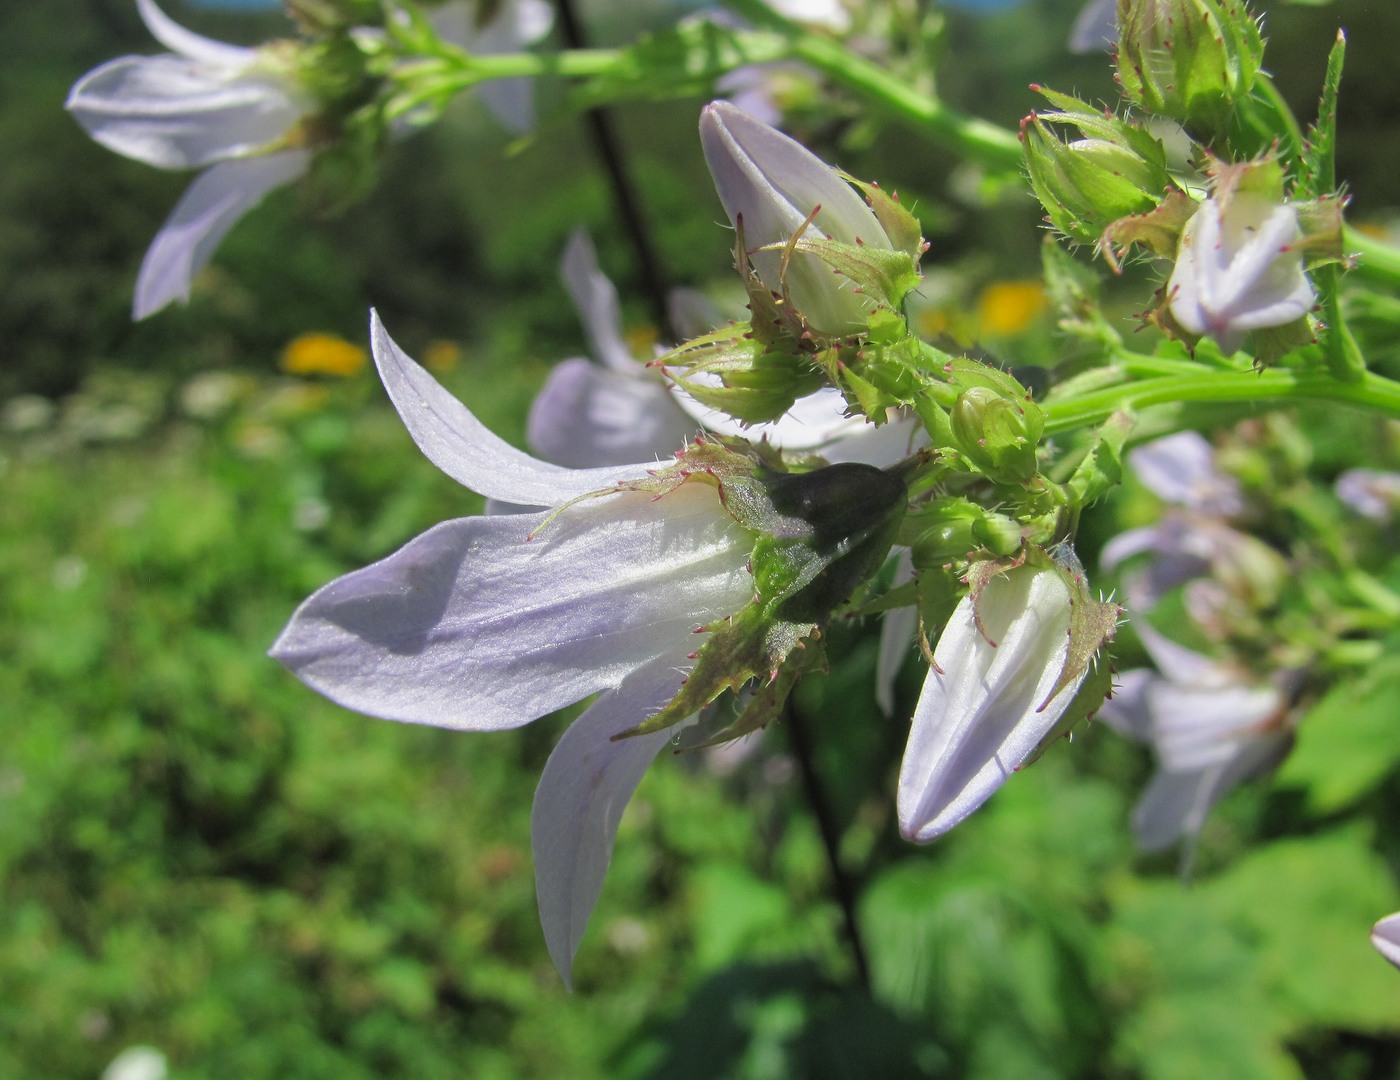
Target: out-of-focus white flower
<point>205,105</point>
<point>1209,727</point>
<point>989,700</point>
<point>1372,493</point>
<point>771,185</point>
<point>1096,27</point>
<point>1385,936</point>
<point>487,623</point>
<point>136,1063</point>
<point>831,14</point>
<point>512,25</point>
<point>1239,268</point>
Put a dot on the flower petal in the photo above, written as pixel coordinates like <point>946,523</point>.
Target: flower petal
<point>461,446</point>
<point>595,300</point>
<point>1385,936</point>
<point>773,184</point>
<point>1095,27</point>
<point>1180,468</point>
<point>897,631</point>
<point>982,714</point>
<point>481,625</point>
<point>582,793</point>
<point>189,44</point>
<point>587,416</point>
<point>209,208</point>
<point>176,113</point>
<point>1127,710</point>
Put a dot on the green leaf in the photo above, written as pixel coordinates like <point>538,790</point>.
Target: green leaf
<point>1349,741</point>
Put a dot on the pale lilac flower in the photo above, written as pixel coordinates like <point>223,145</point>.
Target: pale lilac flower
<point>1239,267</point>
<point>204,105</point>
<point>1193,537</point>
<point>989,699</point>
<point>1372,493</point>
<point>487,623</point>
<point>774,184</point>
<point>1209,726</point>
<point>1385,936</point>
<point>512,25</point>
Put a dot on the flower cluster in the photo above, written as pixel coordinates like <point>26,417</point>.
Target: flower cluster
<point>660,586</point>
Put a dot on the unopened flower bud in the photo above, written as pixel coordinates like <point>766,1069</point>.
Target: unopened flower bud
<point>1005,672</point>
<point>812,240</point>
<point>1189,60</point>
<point>997,433</point>
<point>1086,184</point>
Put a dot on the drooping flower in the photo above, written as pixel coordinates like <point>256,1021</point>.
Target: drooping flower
<point>1003,676</point>
<point>779,193</point>
<point>231,111</point>
<point>1385,936</point>
<point>487,623</point>
<point>1209,726</point>
<point>1239,268</point>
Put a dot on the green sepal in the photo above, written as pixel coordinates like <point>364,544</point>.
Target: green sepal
<point>820,535</point>
<point>764,702</point>
<point>887,277</point>
<point>757,383</point>
<point>1073,288</point>
<point>1157,230</point>
<point>1317,168</point>
<point>1114,170</point>
<point>1087,701</point>
<point>1102,467</point>
<point>1190,60</point>
<point>902,227</point>
<point>994,423</point>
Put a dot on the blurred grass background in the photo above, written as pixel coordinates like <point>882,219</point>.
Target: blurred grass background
<point>199,854</point>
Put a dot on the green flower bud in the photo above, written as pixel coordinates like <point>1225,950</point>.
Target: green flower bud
<point>1189,60</point>
<point>1085,184</point>
<point>997,432</point>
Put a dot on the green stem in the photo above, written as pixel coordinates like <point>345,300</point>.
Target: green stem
<point>1275,386</point>
<point>978,140</point>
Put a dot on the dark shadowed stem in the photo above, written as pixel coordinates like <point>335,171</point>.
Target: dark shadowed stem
<point>625,197</point>
<point>799,740</point>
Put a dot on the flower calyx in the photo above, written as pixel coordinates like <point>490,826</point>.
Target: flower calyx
<point>1188,60</point>
<point>1114,169</point>
<point>818,536</point>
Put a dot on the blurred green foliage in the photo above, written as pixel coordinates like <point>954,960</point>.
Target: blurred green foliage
<point>198,853</point>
